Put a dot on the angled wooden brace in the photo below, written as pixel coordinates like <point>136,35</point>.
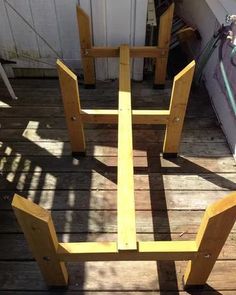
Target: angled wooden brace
<point>178,104</point>
<point>37,226</point>
<point>214,230</point>
<point>71,101</point>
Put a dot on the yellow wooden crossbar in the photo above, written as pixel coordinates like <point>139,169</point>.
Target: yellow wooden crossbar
<point>105,251</point>
<point>135,52</point>
<point>138,116</point>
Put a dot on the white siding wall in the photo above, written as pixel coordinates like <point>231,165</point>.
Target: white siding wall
<point>113,22</point>
<point>204,15</point>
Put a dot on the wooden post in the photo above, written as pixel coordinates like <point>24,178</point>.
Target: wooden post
<point>164,37</point>
<point>179,99</point>
<point>37,226</point>
<point>216,225</point>
<point>125,179</point>
<point>71,101</point>
<point>86,43</point>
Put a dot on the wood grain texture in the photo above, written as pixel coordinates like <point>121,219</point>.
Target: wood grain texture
<point>99,221</point>
<point>20,250</point>
<point>109,136</point>
<point>125,171</point>
<point>57,149</point>
<point>95,180</point>
<point>106,200</point>
<point>203,174</point>
<point>16,276</point>
<point>179,100</point>
<point>213,232</point>
<point>39,231</point>
<point>103,164</point>
<point>164,37</point>
<point>84,27</point>
<point>146,251</point>
<point>72,109</point>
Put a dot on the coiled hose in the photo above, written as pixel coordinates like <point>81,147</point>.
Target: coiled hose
<point>229,91</point>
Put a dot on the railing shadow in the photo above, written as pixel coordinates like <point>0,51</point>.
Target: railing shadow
<point>73,225</point>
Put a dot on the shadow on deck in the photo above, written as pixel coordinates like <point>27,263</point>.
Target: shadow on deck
<point>171,195</point>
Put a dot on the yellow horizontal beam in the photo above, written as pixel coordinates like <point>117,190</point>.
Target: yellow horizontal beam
<point>148,51</point>
<point>99,116</point>
<point>125,175</point>
<point>138,116</point>
<point>144,51</point>
<point>146,251</point>
<point>150,116</point>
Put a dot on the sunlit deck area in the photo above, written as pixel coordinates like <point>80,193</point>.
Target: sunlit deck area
<point>170,195</point>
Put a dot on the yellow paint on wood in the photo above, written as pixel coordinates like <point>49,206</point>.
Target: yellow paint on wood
<point>143,51</point>
<point>164,38</point>
<point>125,191</point>
<point>85,43</point>
<point>105,251</point>
<point>179,99</point>
<point>37,226</point>
<point>138,116</point>
<point>213,232</point>
<point>71,102</point>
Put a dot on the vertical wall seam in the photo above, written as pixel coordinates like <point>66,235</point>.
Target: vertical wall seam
<point>11,29</point>
<point>33,23</point>
<point>58,29</point>
<point>106,37</point>
<point>91,20</point>
<point>107,41</point>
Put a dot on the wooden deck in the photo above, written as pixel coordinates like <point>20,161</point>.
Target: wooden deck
<point>36,162</point>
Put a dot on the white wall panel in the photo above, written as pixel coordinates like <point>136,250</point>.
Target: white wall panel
<point>7,48</point>
<point>68,31</point>
<point>139,36</point>
<point>25,39</point>
<point>99,17</point>
<point>118,29</point>
<point>113,23</point>
<point>45,23</point>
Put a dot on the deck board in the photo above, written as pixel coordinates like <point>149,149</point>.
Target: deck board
<point>36,162</point>
<point>110,276</point>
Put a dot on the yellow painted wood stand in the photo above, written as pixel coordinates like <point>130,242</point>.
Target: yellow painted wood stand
<point>37,224</point>
<point>51,255</point>
<point>159,52</point>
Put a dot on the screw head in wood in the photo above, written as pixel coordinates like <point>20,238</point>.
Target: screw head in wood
<point>46,258</point>
<point>207,255</point>
<point>176,120</point>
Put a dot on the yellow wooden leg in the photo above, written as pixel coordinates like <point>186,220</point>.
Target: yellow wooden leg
<point>164,38</point>
<point>179,99</point>
<point>86,43</point>
<point>37,226</point>
<point>71,101</point>
<point>216,225</point>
